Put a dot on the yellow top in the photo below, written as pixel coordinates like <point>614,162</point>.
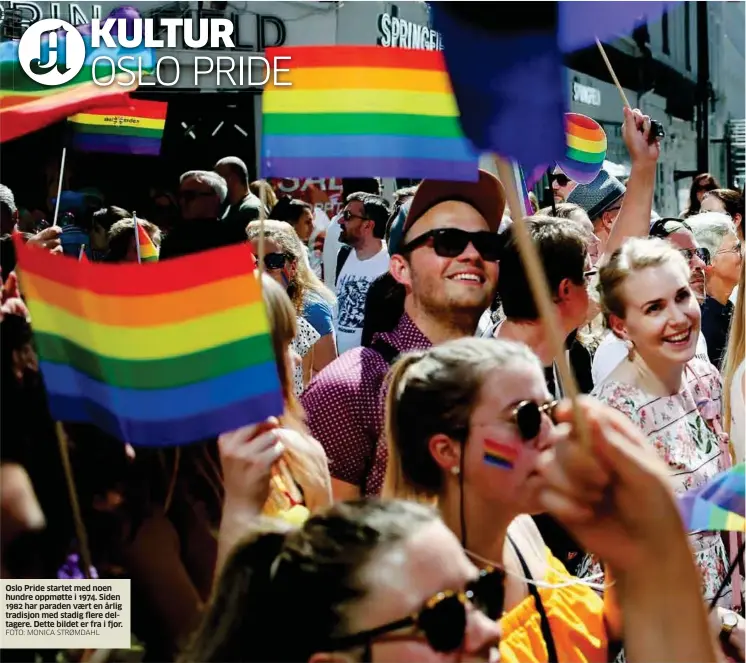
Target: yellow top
<point>576,617</point>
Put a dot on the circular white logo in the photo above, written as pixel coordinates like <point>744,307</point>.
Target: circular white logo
<point>51,52</point>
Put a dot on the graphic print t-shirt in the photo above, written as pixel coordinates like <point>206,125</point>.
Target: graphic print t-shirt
<point>352,289</point>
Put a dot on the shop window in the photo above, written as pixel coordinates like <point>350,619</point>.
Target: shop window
<point>664,29</point>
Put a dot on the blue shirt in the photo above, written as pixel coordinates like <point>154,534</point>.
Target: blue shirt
<point>319,313</point>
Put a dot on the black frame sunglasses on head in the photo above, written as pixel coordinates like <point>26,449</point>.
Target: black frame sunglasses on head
<point>527,417</point>
<point>443,618</point>
<point>452,242</point>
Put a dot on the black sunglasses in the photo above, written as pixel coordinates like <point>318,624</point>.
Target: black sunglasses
<point>527,417</point>
<point>702,253</point>
<point>667,226</point>
<point>560,178</point>
<point>443,618</point>
<point>452,242</point>
<point>347,215</point>
<point>275,260</point>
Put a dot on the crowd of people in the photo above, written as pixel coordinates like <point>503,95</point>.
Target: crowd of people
<point>426,494</point>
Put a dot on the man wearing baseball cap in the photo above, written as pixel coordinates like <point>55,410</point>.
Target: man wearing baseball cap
<point>444,251</point>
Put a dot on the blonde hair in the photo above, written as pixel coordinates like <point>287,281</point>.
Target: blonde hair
<point>444,382</point>
<point>305,281</point>
<point>263,190</point>
<point>734,353</point>
<point>304,456</point>
<point>635,254</point>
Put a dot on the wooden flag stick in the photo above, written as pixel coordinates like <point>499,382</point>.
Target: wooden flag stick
<point>86,561</point>
<point>59,187</point>
<point>613,75</point>
<point>537,281</point>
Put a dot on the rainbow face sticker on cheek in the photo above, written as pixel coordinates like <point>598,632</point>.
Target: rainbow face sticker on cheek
<point>500,454</point>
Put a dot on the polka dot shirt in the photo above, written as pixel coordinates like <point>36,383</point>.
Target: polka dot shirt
<point>345,406</point>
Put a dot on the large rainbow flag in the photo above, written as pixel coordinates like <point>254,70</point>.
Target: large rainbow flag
<point>27,106</point>
<point>163,356</point>
<point>718,505</point>
<point>134,129</point>
<point>363,111</point>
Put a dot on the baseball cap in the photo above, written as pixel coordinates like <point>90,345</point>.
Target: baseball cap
<point>486,195</point>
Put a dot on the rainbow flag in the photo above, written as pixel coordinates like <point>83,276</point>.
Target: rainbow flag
<point>134,129</point>
<point>27,106</point>
<point>146,249</point>
<point>156,357</point>
<point>718,505</point>
<point>363,111</point>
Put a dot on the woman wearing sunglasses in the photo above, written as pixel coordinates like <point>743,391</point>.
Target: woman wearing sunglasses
<point>286,261</point>
<point>671,395</point>
<point>475,453</point>
<point>361,581</point>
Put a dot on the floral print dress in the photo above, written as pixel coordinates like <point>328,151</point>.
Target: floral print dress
<point>685,431</point>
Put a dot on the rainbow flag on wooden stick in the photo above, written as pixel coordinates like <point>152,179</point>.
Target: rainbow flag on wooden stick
<point>163,356</point>
<point>146,249</point>
<point>134,129</point>
<point>718,505</point>
<point>363,111</point>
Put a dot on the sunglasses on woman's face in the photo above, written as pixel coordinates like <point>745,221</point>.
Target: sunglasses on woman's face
<point>452,242</point>
<point>527,417</point>
<point>443,618</point>
<point>274,260</point>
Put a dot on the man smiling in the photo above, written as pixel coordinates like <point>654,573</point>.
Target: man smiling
<point>444,252</point>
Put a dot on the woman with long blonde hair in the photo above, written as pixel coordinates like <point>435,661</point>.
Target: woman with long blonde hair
<point>734,378</point>
<point>286,261</point>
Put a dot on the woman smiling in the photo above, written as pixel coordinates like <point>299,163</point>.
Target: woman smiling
<point>672,396</point>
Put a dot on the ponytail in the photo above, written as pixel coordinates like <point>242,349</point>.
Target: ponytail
<point>243,598</point>
<point>396,485</point>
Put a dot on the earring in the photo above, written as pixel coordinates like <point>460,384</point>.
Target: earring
<point>455,470</point>
<point>630,348</point>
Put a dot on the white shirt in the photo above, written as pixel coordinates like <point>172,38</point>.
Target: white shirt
<point>352,291</point>
<point>331,249</point>
<point>612,351</point>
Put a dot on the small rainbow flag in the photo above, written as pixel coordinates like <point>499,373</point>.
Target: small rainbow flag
<point>363,111</point>
<point>156,357</point>
<point>134,129</point>
<point>146,249</point>
<point>586,148</point>
<point>499,454</point>
<point>718,505</point>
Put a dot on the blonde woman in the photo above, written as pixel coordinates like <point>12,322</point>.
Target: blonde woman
<point>734,378</point>
<point>671,395</point>
<point>286,261</point>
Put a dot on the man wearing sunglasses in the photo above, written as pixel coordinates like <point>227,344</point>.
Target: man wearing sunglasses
<point>444,251</point>
<point>363,226</point>
<point>562,185</point>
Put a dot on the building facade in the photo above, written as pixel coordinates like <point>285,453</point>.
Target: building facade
<point>658,66</point>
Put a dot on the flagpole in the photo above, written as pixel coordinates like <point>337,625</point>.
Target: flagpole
<point>537,281</point>
<point>59,186</point>
<point>137,238</point>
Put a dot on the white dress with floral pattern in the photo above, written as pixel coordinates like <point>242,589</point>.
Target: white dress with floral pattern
<point>695,452</point>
